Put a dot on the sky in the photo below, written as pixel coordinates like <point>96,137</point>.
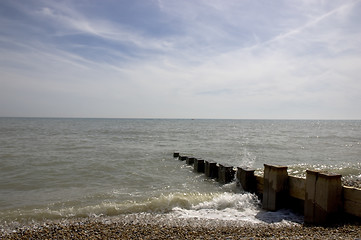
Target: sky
<point>223,59</point>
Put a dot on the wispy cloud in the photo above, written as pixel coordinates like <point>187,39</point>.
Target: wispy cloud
<point>204,58</point>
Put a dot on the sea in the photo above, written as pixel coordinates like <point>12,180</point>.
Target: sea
<point>53,169</point>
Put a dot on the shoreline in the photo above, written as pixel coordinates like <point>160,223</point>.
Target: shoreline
<point>149,226</point>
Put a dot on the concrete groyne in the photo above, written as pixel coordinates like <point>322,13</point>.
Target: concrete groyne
<point>320,196</point>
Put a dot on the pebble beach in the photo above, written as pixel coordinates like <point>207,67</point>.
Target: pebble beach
<point>155,227</point>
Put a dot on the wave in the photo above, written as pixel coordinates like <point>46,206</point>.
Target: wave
<point>230,200</point>
<point>242,208</point>
<point>164,203</point>
<point>227,205</point>
<point>346,169</point>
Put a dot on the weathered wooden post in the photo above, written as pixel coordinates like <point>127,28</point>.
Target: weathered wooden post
<point>274,187</point>
<point>198,165</point>
<point>225,174</point>
<point>247,179</point>
<point>323,197</point>
<point>176,154</point>
<point>190,160</point>
<point>183,158</point>
<point>351,198</point>
<point>211,169</point>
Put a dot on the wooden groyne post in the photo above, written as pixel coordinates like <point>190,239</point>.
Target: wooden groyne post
<point>211,169</point>
<point>274,187</point>
<point>247,179</point>
<point>198,165</point>
<point>225,174</point>
<point>190,160</point>
<point>320,196</point>
<point>323,197</point>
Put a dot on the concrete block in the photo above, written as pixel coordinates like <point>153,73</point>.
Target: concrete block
<point>183,158</point>
<point>176,154</point>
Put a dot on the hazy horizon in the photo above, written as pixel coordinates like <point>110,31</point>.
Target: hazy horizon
<point>170,118</point>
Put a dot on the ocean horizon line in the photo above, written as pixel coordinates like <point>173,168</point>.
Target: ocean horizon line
<point>185,118</point>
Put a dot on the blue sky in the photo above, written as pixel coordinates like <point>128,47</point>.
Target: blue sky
<point>181,59</point>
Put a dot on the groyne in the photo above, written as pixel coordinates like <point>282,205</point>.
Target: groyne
<point>320,197</point>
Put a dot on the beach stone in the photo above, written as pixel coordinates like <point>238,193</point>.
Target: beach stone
<point>157,227</point>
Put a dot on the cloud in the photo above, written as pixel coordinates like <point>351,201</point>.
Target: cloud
<point>234,59</point>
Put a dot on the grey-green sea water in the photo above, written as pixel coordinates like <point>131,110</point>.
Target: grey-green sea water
<point>69,168</point>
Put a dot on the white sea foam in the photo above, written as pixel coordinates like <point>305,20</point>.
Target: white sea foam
<point>164,203</point>
<point>236,207</point>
